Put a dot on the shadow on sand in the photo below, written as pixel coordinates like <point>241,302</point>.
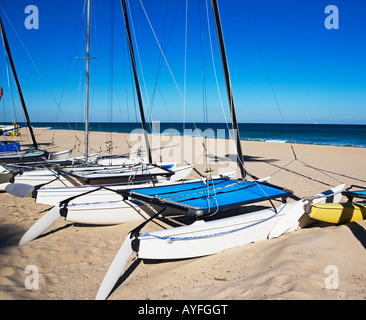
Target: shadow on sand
<point>10,235</point>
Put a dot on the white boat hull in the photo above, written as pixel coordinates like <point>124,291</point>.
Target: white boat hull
<point>112,209</point>
<point>56,191</point>
<point>204,238</point>
<point>201,238</point>
<point>60,155</point>
<point>106,213</point>
<point>41,176</point>
<point>36,177</point>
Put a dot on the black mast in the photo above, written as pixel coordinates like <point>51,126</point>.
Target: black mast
<point>7,48</point>
<point>87,80</point>
<point>138,91</point>
<point>240,158</point>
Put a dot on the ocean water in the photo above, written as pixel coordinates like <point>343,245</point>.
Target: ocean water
<point>319,134</point>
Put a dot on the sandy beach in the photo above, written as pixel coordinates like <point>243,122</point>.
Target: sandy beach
<point>72,259</point>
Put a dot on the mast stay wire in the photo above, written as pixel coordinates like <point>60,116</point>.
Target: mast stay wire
<point>138,52</point>
<point>185,65</point>
<point>170,70</point>
<point>277,103</point>
<point>231,138</point>
<point>160,63</point>
<point>58,104</point>
<point>183,97</point>
<point>204,89</point>
<point>175,82</point>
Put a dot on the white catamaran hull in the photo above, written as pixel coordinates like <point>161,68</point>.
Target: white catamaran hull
<point>53,193</point>
<point>36,177</point>
<point>40,176</point>
<point>204,238</point>
<point>60,155</point>
<point>112,209</point>
<point>106,213</point>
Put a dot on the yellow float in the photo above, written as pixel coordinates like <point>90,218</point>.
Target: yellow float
<point>340,213</point>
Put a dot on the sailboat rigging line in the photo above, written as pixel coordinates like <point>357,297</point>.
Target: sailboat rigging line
<point>70,58</point>
<point>133,93</point>
<point>58,104</point>
<point>215,198</point>
<point>276,99</point>
<point>204,91</point>
<point>170,70</point>
<point>160,62</point>
<point>161,50</point>
<point>138,90</point>
<point>264,65</point>
<point>6,44</point>
<point>218,192</point>
<point>10,89</point>
<point>215,73</point>
<point>172,192</point>
<point>138,52</point>
<point>228,87</point>
<point>185,66</point>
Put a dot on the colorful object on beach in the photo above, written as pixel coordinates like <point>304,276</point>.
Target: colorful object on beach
<point>340,213</point>
<point>208,197</point>
<point>332,195</point>
<point>1,93</point>
<point>13,146</point>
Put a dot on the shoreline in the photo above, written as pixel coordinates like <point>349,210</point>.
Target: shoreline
<point>217,138</point>
<point>39,132</point>
<point>72,259</point>
<point>348,135</point>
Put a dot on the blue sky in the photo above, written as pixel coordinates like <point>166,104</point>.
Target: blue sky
<point>281,57</point>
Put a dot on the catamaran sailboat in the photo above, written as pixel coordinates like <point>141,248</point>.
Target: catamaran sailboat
<point>207,202</point>
<point>23,183</point>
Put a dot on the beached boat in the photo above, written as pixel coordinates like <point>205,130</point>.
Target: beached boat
<point>31,156</point>
<point>340,213</point>
<point>39,172</point>
<point>87,174</point>
<point>111,209</point>
<point>214,230</point>
<point>50,186</point>
<point>226,212</point>
<point>209,235</point>
<point>52,194</point>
